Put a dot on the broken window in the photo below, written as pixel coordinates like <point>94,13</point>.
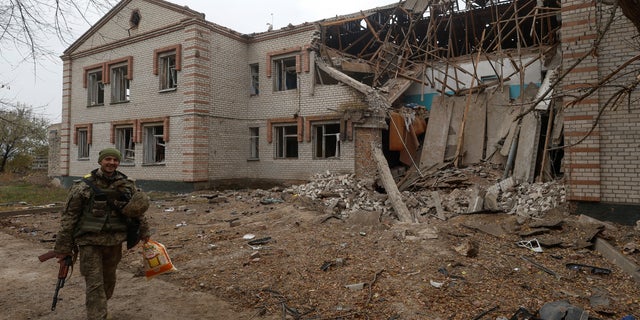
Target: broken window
<point>154,144</point>
<point>95,88</point>
<point>326,140</point>
<point>255,79</point>
<point>126,144</point>
<point>286,77</point>
<point>254,139</point>
<point>167,71</point>
<point>286,141</point>
<point>120,91</point>
<point>83,143</point>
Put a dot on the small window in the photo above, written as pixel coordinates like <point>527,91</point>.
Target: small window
<point>95,88</point>
<point>83,143</point>
<point>255,79</point>
<point>154,144</point>
<point>125,143</point>
<point>286,141</point>
<point>167,71</point>
<point>286,77</point>
<point>326,141</point>
<point>254,139</point>
<point>135,18</point>
<point>120,90</point>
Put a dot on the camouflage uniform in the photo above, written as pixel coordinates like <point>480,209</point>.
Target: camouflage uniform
<point>100,247</point>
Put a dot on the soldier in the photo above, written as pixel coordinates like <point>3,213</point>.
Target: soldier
<point>103,210</point>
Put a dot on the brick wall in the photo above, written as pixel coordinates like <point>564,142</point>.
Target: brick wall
<point>211,111</point>
<point>605,165</point>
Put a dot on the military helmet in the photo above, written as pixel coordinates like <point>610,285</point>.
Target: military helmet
<point>137,206</point>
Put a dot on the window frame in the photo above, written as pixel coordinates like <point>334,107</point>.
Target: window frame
<point>286,141</point>
<point>320,140</point>
<point>120,83</point>
<point>283,70</point>
<point>152,139</point>
<point>254,72</point>
<point>254,143</point>
<point>168,72</point>
<point>83,142</point>
<point>95,87</point>
<point>125,142</point>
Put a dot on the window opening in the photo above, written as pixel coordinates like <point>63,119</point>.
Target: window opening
<point>95,88</point>
<point>120,90</point>
<point>327,141</point>
<point>154,145</point>
<point>135,18</point>
<point>83,143</point>
<point>126,144</point>
<point>168,72</point>
<point>286,77</point>
<point>287,141</point>
<point>255,79</point>
<point>254,139</point>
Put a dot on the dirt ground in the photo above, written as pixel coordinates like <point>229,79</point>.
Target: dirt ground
<point>269,254</point>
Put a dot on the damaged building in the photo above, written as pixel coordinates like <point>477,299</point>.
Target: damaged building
<point>523,85</point>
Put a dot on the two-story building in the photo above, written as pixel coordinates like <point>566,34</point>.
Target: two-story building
<point>192,104</point>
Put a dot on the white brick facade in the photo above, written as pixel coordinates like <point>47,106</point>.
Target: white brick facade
<point>209,115</point>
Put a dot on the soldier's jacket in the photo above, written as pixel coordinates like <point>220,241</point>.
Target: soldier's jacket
<point>73,231</point>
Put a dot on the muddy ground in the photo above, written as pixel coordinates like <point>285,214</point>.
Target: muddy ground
<point>269,254</point>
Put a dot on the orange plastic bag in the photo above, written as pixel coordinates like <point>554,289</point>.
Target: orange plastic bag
<point>156,259</point>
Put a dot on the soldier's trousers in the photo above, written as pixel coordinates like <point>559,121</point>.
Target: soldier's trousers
<point>98,265</point>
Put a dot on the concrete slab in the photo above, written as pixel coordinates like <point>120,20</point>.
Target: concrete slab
<point>498,107</point>
<point>474,131</point>
<point>454,126</point>
<point>437,133</point>
<point>529,139</point>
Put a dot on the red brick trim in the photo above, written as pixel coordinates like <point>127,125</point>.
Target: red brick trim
<point>270,122</point>
<point>581,102</point>
<point>589,4</point>
<point>88,126</point>
<point>577,118</point>
<point>581,133</point>
<point>586,37</point>
<point>106,79</point>
<point>295,49</point>
<point>588,199</point>
<point>583,165</point>
<point>568,24</point>
<point>575,182</point>
<point>157,52</point>
<point>582,150</point>
<point>165,125</point>
<point>133,123</point>
<point>90,68</point>
<point>309,119</point>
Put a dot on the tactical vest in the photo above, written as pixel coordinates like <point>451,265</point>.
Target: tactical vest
<point>100,214</point>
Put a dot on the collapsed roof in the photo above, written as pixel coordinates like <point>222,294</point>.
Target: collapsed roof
<point>420,41</point>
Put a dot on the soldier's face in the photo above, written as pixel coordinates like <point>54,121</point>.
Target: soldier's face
<point>109,164</point>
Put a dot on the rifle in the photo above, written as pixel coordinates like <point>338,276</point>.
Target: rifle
<point>65,263</point>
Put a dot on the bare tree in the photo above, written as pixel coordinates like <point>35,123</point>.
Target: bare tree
<point>27,28</point>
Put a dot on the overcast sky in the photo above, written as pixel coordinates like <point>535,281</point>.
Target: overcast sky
<point>43,90</point>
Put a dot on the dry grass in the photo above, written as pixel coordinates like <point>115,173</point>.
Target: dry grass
<point>32,189</point>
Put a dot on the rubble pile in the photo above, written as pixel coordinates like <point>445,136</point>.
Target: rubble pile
<point>343,194</point>
<point>534,199</point>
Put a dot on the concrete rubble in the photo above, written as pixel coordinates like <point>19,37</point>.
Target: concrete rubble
<point>344,195</point>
